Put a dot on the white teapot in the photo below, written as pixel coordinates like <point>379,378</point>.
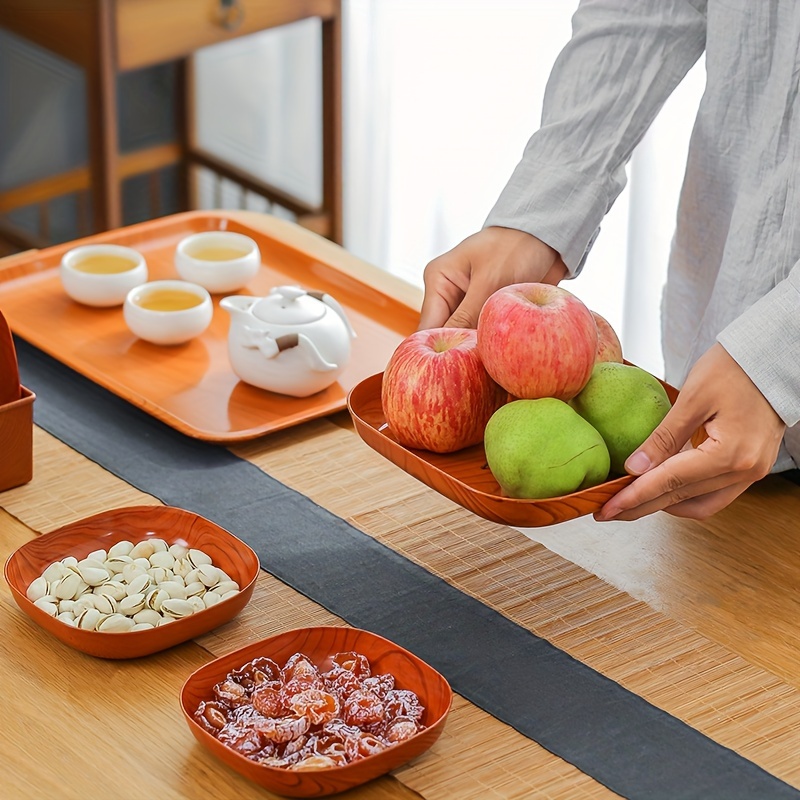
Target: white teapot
<point>292,341</point>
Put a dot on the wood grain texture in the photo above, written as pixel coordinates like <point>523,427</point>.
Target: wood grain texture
<point>192,386</point>
<point>320,644</point>
<point>152,31</point>
<point>134,524</point>
<point>699,618</point>
<point>729,688</point>
<point>464,476</point>
<point>10,389</point>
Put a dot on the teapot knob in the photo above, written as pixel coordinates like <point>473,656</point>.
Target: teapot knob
<point>288,292</point>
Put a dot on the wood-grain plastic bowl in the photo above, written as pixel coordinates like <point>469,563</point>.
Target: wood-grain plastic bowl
<point>464,476</point>
<point>134,523</point>
<point>320,644</point>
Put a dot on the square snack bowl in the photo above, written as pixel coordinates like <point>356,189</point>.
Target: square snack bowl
<point>319,644</point>
<point>134,523</point>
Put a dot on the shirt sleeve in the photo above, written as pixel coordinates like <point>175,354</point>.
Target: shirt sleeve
<point>764,342</point>
<point>624,59</point>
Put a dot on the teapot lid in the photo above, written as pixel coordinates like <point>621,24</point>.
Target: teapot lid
<point>288,305</point>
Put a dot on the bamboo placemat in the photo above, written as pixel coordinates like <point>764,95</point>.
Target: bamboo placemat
<point>740,706</point>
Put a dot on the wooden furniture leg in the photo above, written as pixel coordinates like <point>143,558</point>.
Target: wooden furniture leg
<point>332,124</point>
<point>101,96</point>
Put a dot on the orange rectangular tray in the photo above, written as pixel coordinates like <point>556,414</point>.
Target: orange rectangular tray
<point>464,476</point>
<point>191,387</point>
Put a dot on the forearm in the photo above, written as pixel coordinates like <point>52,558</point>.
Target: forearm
<point>607,85</point>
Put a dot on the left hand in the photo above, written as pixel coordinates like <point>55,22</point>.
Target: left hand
<point>744,435</point>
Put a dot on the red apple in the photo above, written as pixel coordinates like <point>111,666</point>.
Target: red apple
<point>537,340</point>
<point>436,393</point>
<point>608,344</point>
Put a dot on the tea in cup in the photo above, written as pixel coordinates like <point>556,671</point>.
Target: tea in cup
<point>168,312</point>
<point>102,274</point>
<point>220,261</point>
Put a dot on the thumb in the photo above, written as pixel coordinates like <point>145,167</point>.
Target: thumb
<point>668,439</point>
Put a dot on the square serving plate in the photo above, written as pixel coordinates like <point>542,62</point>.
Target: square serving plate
<point>192,386</point>
<point>464,476</point>
<point>134,523</point>
<point>320,644</point>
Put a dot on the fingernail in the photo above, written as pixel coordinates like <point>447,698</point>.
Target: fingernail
<point>605,514</point>
<point>638,463</point>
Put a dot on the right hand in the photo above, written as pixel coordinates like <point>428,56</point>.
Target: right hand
<point>459,282</point>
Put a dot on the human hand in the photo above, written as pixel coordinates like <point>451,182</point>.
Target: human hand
<point>458,283</point>
<point>744,435</point>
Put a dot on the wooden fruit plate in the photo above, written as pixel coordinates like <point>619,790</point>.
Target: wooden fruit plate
<point>464,476</point>
<point>192,387</point>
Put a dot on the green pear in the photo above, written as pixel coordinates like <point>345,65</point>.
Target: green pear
<point>543,448</point>
<point>625,404</point>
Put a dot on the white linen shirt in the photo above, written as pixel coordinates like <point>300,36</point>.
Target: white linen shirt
<point>733,274</point>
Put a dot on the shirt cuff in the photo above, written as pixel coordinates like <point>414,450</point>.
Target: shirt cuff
<point>764,342</point>
<point>557,205</point>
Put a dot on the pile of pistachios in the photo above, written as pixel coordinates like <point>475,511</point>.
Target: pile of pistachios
<point>131,587</point>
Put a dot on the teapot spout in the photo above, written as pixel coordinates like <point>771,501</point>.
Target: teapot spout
<point>237,305</point>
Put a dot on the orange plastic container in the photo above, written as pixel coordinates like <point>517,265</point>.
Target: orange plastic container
<point>16,441</point>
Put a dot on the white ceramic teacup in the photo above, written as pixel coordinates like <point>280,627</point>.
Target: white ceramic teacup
<point>220,261</point>
<point>168,312</point>
<point>101,274</point>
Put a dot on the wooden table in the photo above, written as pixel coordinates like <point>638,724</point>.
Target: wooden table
<point>699,618</point>
<point>110,37</point>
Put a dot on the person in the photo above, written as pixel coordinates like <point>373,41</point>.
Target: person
<point>731,308</point>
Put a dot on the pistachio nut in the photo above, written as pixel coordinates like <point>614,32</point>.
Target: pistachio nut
<point>143,549</point>
<point>115,564</point>
<point>178,550</point>
<point>197,603</point>
<point>163,559</point>
<point>131,604</point>
<point>46,605</point>
<point>177,608</point>
<point>208,575</point>
<point>140,584</point>
<point>115,623</point>
<point>113,588</point>
<point>37,589</point>
<point>155,598</point>
<point>55,571</point>
<point>122,548</point>
<point>69,587</point>
<point>198,557</point>
<point>93,576</point>
<point>193,589</point>
<point>147,615</point>
<point>89,619</point>
<point>105,603</point>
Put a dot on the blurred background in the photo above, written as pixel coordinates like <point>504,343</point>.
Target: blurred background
<point>389,126</point>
